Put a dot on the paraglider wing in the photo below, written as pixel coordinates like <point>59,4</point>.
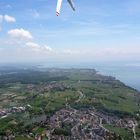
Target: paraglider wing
<point>58,7</point>
<point>71,4</point>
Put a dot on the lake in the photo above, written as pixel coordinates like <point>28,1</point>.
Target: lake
<point>130,75</point>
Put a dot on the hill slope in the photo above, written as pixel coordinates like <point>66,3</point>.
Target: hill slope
<point>67,104</point>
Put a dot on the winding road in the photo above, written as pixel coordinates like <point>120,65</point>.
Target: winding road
<point>80,97</point>
<point>134,131</point>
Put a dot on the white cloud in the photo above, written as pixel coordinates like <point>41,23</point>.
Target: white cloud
<point>31,51</point>
<point>33,45</point>
<point>8,18</point>
<point>20,34</point>
<point>37,47</point>
<point>47,48</point>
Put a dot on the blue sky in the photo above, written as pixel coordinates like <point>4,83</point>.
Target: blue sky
<point>99,30</point>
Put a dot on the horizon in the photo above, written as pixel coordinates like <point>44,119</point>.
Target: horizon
<point>127,72</point>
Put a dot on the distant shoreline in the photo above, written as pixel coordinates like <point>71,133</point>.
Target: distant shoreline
<point>130,75</point>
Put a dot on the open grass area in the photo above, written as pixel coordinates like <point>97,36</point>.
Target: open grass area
<point>121,131</point>
<point>23,138</point>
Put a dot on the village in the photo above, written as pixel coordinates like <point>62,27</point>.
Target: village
<point>86,124</point>
<point>67,110</point>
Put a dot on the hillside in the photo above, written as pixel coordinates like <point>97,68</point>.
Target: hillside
<point>66,104</point>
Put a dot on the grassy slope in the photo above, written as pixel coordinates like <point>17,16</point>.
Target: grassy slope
<point>104,93</point>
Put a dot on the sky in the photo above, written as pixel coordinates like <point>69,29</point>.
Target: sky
<point>99,30</point>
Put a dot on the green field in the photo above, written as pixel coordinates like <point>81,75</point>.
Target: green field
<point>51,90</point>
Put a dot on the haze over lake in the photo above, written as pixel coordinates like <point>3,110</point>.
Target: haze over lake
<point>130,75</point>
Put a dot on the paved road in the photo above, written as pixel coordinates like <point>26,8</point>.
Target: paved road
<point>134,131</point>
<point>80,97</point>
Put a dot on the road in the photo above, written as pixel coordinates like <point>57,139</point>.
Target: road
<point>134,131</point>
<point>80,97</point>
<point>101,125</point>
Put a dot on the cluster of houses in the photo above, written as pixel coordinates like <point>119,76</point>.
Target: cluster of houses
<point>48,87</point>
<point>5,112</point>
<point>82,124</point>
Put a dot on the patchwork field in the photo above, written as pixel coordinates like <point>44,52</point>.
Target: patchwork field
<point>32,100</point>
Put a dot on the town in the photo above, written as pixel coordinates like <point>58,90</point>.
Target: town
<point>79,104</point>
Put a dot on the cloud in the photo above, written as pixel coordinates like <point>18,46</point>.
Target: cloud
<point>37,47</point>
<point>20,34</point>
<point>47,48</point>
<point>8,18</point>
<point>33,46</point>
